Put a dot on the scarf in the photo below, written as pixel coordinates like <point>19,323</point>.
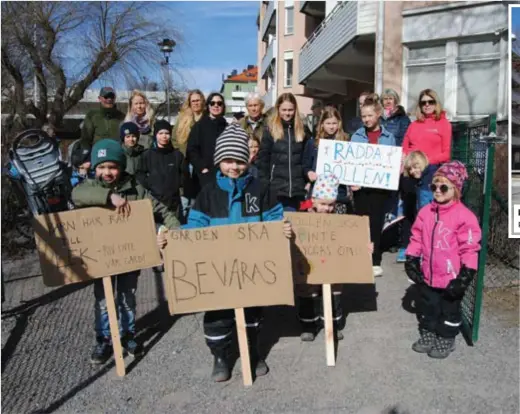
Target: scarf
<point>142,123</point>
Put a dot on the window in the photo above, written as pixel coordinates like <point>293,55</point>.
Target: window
<point>288,69</point>
<point>237,88</point>
<point>477,88</point>
<point>422,77</point>
<point>289,17</point>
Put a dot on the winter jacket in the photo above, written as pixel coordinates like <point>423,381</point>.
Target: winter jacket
<point>146,140</point>
<point>447,236</point>
<point>257,131</point>
<point>233,201</point>
<point>76,178</point>
<point>201,144</point>
<point>386,138</point>
<point>431,137</point>
<point>310,161</point>
<point>397,124</point>
<point>281,163</point>
<point>101,123</point>
<point>133,154</point>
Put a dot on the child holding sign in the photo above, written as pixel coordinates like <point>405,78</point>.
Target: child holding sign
<point>234,197</point>
<point>442,259</point>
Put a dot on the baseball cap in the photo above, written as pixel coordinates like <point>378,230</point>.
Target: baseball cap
<point>106,91</point>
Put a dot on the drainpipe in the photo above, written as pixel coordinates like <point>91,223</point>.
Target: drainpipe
<point>379,47</point>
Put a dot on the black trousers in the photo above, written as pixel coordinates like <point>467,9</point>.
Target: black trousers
<point>372,202</point>
<point>437,313</point>
<point>219,327</point>
<point>408,192</point>
<point>310,312</point>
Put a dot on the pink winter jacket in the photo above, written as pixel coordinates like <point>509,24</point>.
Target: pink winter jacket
<point>447,237</point>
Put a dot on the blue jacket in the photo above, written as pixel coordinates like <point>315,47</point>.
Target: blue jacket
<point>233,201</point>
<point>76,178</point>
<point>397,124</point>
<point>386,137</point>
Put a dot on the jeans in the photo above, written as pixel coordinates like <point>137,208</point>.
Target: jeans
<point>124,286</point>
<point>424,194</point>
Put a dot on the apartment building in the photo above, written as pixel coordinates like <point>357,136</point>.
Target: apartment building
<point>236,87</point>
<point>457,48</point>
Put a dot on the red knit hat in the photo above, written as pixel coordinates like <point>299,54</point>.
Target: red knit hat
<point>455,171</point>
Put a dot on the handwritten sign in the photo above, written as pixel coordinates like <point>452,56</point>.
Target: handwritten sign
<point>225,267</point>
<point>90,243</point>
<point>330,248</point>
<point>365,165</point>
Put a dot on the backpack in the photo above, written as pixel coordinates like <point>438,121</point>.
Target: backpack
<point>44,176</point>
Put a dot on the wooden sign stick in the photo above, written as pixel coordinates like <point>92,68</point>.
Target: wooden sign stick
<point>114,327</point>
<point>329,327</point>
<point>243,346</point>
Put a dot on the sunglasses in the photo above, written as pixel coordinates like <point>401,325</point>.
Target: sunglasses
<point>443,188</point>
<point>428,102</point>
<point>216,103</point>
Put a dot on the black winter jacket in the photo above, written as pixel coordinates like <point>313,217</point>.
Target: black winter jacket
<point>281,163</point>
<point>160,172</point>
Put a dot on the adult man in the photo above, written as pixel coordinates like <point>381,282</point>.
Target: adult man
<point>355,123</point>
<point>103,122</point>
<point>254,122</point>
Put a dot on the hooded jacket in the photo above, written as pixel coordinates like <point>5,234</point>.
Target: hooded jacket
<point>446,236</point>
<point>431,137</point>
<point>101,123</point>
<point>281,162</point>
<point>397,124</point>
<point>133,155</point>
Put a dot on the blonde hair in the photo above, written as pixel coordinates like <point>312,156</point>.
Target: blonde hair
<point>414,158</point>
<point>442,179</point>
<point>327,113</point>
<point>187,118</point>
<point>438,108</point>
<point>275,122</point>
<point>149,110</point>
<point>374,101</point>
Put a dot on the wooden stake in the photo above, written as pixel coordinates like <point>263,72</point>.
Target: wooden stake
<point>243,346</point>
<point>114,327</point>
<point>329,326</point>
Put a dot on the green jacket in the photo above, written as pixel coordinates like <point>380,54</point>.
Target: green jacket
<point>146,141</point>
<point>133,155</point>
<point>94,192</point>
<point>258,131</point>
<point>101,123</point>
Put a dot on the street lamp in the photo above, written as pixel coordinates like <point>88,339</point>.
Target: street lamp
<point>167,46</point>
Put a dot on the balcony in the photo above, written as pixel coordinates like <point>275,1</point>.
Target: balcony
<point>346,22</point>
<point>269,21</point>
<point>238,95</point>
<point>269,56</point>
<point>270,96</point>
<point>313,8</point>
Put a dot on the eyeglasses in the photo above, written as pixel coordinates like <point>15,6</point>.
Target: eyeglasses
<point>216,103</point>
<point>428,102</point>
<point>443,188</point>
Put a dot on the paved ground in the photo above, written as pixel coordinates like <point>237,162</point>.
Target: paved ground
<point>47,336</point>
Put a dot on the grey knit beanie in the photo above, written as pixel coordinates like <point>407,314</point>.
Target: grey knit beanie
<point>233,144</point>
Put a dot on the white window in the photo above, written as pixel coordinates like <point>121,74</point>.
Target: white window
<point>288,69</point>
<point>289,17</point>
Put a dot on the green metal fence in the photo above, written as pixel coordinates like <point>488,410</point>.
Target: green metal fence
<point>474,145</point>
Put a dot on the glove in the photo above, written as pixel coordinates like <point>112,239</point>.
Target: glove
<point>412,267</point>
<point>457,287</point>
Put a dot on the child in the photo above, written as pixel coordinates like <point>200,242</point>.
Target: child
<point>328,127</point>
<point>310,304</point>
<point>414,165</point>
<point>372,202</point>
<point>442,260</point>
<point>80,161</point>
<point>254,147</point>
<point>234,197</point>
<point>129,134</point>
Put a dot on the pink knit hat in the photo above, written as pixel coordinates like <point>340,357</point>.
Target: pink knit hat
<point>455,171</point>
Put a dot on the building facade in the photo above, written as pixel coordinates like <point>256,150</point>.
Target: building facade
<point>236,87</point>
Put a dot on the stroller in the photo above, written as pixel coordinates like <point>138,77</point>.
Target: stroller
<point>44,177</point>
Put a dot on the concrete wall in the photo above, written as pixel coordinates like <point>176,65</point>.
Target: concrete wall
<point>393,49</point>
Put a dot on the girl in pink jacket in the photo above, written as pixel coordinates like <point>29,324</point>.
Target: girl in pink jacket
<point>442,259</point>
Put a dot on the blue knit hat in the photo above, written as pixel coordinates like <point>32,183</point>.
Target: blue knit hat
<point>108,150</point>
<point>128,128</point>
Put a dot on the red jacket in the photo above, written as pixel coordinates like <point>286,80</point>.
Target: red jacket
<point>431,137</point>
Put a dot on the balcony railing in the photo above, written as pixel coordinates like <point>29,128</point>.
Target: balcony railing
<point>269,97</point>
<point>238,94</point>
<point>270,54</point>
<point>268,17</point>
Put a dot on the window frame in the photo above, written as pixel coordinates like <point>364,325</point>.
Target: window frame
<point>289,5</point>
<point>288,56</point>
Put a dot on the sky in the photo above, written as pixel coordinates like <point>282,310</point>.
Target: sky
<point>515,26</point>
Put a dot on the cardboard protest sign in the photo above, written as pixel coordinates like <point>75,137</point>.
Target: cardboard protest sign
<point>365,165</point>
<point>330,248</point>
<point>90,243</point>
<point>226,267</point>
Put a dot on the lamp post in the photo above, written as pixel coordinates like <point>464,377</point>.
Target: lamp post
<point>166,47</point>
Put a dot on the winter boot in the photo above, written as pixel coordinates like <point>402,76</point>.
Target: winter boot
<point>401,255</point>
<point>308,318</point>
<point>102,351</point>
<point>131,346</point>
<point>258,365</point>
<point>425,342</point>
<point>221,371</point>
<point>442,347</point>
<point>337,314</point>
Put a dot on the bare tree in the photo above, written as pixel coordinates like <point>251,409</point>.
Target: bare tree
<point>108,37</point>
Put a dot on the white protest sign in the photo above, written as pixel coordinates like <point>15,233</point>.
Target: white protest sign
<point>365,165</point>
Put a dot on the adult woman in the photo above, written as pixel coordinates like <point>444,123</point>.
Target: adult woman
<point>203,136</point>
<point>254,122</point>
<point>394,117</point>
<point>141,113</point>
<point>280,159</point>
<point>431,134</point>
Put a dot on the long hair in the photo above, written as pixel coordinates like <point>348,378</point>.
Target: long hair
<point>438,108</point>
<point>415,158</point>
<point>187,118</point>
<point>275,122</point>
<point>211,96</point>
<point>149,110</point>
<point>327,113</point>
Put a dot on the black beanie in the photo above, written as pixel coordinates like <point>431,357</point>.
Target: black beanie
<point>128,128</point>
<point>79,156</point>
<point>159,125</point>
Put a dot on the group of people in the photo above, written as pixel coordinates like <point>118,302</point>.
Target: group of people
<point>205,172</point>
